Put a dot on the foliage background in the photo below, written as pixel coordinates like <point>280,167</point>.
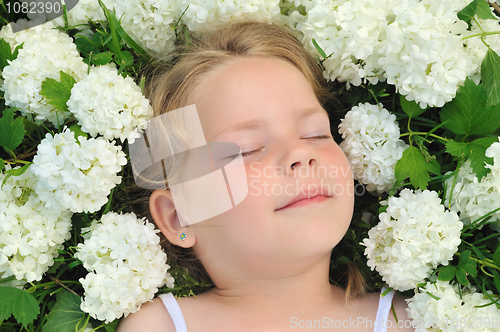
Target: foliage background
<point>58,294</point>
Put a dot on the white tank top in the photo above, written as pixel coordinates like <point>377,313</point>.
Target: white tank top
<point>384,306</point>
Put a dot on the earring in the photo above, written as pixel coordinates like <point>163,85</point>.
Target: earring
<point>183,236</point>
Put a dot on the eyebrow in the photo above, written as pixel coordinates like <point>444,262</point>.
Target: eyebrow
<point>259,123</point>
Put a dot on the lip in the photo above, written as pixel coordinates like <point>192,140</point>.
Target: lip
<point>305,198</point>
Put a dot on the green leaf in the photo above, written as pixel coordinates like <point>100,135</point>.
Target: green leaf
<point>467,264</point>
<point>470,268</point>
<point>86,46</point>
<point>468,12</point>
<point>2,164</point>
<point>16,51</point>
<point>66,313</point>
<point>462,277</point>
<point>58,93</point>
<point>102,58</point>
<point>127,59</point>
<point>477,150</point>
<point>11,131</point>
<point>464,257</point>
<point>111,327</point>
<point>411,108</point>
<point>457,149</point>
<point>17,302</point>
<point>78,131</point>
<point>121,33</point>
<point>446,273</point>
<point>496,257</point>
<point>496,279</point>
<point>319,49</point>
<point>483,10</point>
<point>29,126</point>
<point>5,53</point>
<point>16,172</point>
<point>467,114</point>
<point>490,74</point>
<point>413,165</point>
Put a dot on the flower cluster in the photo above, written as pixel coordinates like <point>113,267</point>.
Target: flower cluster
<point>473,198</point>
<point>351,32</point>
<point>200,12</point>
<point>150,22</point>
<point>414,235</point>
<point>415,45</point>
<point>84,11</point>
<point>453,311</point>
<point>30,232</point>
<point>126,265</point>
<point>45,53</point>
<point>372,145</point>
<point>108,104</point>
<point>76,175</point>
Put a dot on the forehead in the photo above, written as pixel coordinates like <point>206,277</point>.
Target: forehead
<point>257,89</point>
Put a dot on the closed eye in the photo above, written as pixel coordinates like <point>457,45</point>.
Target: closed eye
<point>244,154</point>
<point>319,137</point>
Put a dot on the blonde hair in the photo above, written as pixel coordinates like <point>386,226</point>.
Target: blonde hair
<point>170,86</point>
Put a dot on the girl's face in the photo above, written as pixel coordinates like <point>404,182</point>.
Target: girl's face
<point>268,108</point>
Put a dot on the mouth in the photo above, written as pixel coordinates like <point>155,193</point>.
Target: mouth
<point>304,202</point>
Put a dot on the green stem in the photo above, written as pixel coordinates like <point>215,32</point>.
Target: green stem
<point>479,25</point>
<point>375,97</point>
<point>493,266</point>
<point>482,34</point>
<point>16,161</point>
<point>423,133</point>
<point>50,283</point>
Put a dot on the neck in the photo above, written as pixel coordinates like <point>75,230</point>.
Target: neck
<point>299,291</point>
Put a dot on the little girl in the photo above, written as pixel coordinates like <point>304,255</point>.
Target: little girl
<point>253,84</point>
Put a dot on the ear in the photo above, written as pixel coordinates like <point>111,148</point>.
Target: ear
<point>165,216</point>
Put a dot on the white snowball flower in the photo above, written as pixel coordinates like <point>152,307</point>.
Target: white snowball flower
<point>30,233</point>
<point>108,104</point>
<point>203,14</point>
<point>415,45</point>
<point>352,32</point>
<point>474,198</point>
<point>126,265</point>
<point>149,22</point>
<point>16,39</point>
<point>451,313</point>
<point>84,11</point>
<point>45,53</point>
<point>423,55</point>
<point>372,145</point>
<point>76,175</point>
<point>476,48</point>
<point>413,237</point>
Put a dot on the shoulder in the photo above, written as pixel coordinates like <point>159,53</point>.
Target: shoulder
<point>152,317</point>
<point>404,323</point>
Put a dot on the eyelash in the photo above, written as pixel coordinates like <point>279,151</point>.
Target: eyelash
<point>244,154</point>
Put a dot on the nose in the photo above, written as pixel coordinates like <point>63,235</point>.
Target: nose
<point>297,155</point>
